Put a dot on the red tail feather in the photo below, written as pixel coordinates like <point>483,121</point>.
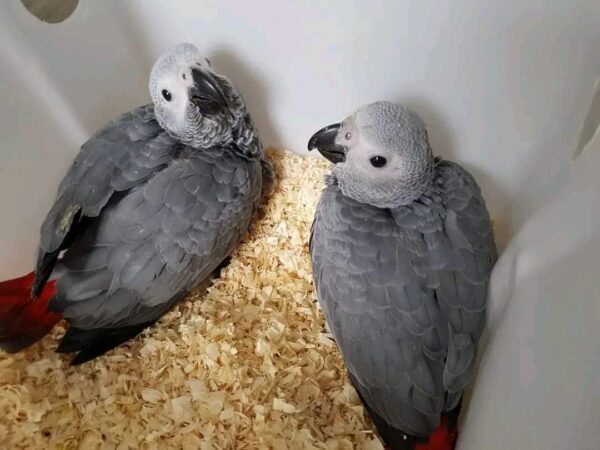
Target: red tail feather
<point>444,438</point>
<point>24,321</point>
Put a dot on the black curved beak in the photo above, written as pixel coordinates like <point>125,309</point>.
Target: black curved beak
<point>206,93</point>
<point>324,141</point>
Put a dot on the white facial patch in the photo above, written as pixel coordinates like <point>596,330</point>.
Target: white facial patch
<point>173,86</point>
<point>388,160</point>
<point>173,81</point>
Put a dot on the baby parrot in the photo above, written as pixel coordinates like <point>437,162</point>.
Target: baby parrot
<point>153,204</point>
<point>402,249</point>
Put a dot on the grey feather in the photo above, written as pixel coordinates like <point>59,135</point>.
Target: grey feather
<point>154,202</point>
<point>168,249</point>
<point>268,176</point>
<point>404,292</point>
<point>115,159</point>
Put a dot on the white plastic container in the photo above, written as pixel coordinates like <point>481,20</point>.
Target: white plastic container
<point>504,86</point>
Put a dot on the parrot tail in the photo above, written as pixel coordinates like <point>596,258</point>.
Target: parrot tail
<point>444,437</point>
<point>24,320</point>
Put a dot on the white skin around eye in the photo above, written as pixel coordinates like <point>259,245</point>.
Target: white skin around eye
<point>178,91</point>
<point>177,83</point>
<point>396,134</point>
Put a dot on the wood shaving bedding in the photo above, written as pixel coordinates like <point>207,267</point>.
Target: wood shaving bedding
<point>246,364</point>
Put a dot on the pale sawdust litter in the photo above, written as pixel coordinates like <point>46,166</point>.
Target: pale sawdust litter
<point>244,365</point>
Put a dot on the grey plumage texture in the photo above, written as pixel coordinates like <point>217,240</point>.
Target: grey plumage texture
<point>121,155</point>
<point>158,240</point>
<point>404,288</point>
<point>145,217</point>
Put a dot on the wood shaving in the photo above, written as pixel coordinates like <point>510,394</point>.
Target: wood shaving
<point>244,364</point>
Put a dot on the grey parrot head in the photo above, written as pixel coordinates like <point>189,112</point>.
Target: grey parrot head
<point>381,154</point>
<point>192,102</point>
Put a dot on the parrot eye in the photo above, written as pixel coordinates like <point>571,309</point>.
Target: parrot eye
<point>348,136</point>
<point>378,161</point>
<point>166,95</point>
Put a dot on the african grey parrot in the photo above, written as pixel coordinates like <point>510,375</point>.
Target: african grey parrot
<point>153,204</point>
<point>402,249</point>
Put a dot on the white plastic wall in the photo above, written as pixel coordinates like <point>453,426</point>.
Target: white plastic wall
<point>504,86</point>
<point>539,383</point>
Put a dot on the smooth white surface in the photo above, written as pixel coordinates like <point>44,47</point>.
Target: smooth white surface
<point>504,87</point>
<point>539,383</point>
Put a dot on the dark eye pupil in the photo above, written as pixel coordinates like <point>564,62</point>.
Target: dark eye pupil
<point>378,161</point>
<point>166,95</point>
